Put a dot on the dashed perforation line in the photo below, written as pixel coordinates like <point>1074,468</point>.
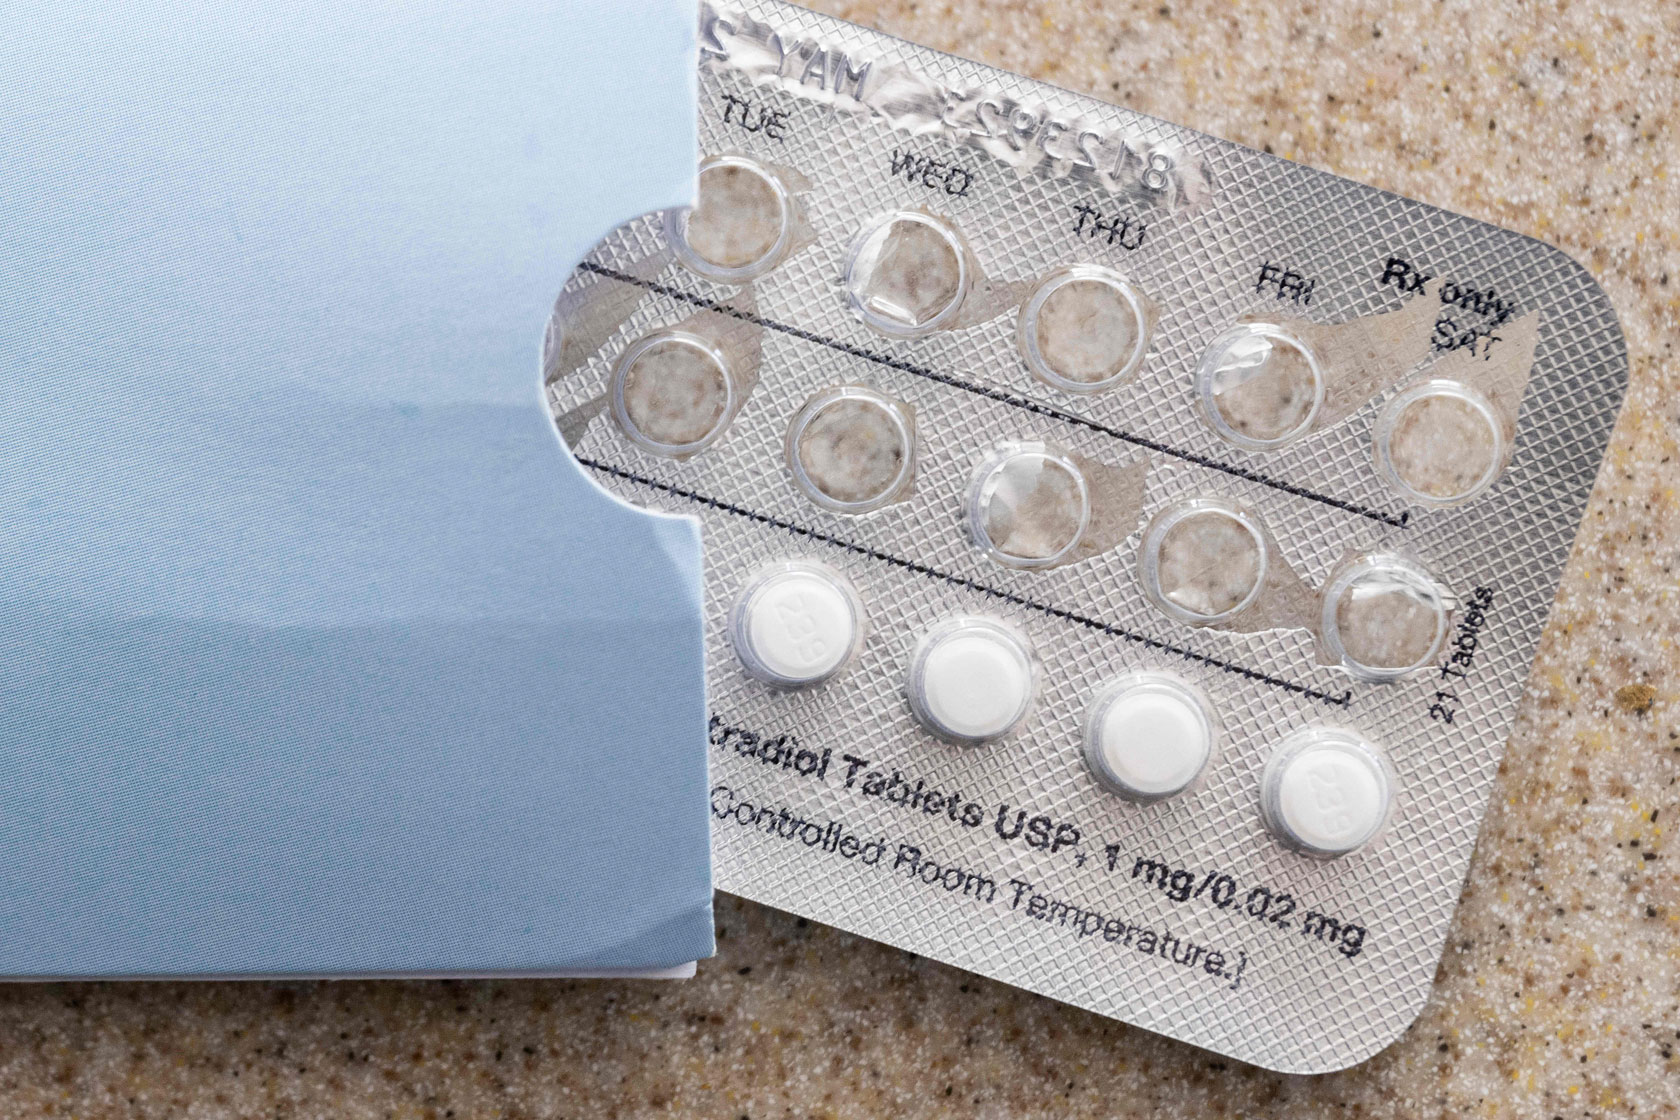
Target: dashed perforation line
<point>1342,701</point>
<point>998,395</point>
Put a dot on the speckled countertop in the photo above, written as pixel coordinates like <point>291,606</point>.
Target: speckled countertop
<point>1559,995</point>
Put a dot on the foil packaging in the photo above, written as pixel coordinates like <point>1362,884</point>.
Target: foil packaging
<point>1186,914</point>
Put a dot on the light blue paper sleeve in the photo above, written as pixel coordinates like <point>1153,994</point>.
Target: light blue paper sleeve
<point>318,654</point>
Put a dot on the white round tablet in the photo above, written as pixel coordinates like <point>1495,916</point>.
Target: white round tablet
<point>1149,736</point>
<point>796,624</point>
<point>972,680</point>
<point>1326,791</point>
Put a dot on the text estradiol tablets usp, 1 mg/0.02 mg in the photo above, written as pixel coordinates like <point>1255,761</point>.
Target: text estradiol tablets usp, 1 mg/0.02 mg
<point>1125,549</point>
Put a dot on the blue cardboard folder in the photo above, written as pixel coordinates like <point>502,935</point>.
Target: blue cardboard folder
<point>318,654</point>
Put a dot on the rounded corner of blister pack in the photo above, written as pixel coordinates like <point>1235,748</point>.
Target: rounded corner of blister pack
<point>1125,550</point>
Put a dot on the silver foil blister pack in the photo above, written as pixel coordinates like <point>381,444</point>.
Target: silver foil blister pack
<point>1125,550</point>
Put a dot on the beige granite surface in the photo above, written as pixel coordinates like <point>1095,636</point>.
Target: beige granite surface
<point>1559,995</point>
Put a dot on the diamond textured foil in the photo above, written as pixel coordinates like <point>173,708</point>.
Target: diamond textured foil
<point>1185,916</point>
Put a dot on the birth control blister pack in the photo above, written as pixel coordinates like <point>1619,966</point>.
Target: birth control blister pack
<point>1125,550</point>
